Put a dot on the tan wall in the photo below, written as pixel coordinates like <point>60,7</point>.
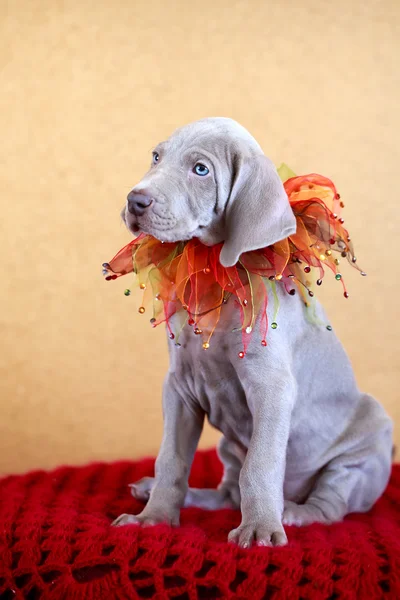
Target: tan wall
<point>87,88</point>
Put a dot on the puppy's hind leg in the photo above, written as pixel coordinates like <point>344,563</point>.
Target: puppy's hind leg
<point>232,457</point>
<point>354,480</point>
<point>226,496</point>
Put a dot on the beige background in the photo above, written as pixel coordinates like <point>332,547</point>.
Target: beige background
<point>87,88</point>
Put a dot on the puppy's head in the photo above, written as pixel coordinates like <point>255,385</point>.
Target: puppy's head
<point>211,180</point>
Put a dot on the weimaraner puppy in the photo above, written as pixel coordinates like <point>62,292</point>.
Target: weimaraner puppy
<point>301,443</point>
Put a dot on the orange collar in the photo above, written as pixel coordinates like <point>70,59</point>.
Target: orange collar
<point>187,277</point>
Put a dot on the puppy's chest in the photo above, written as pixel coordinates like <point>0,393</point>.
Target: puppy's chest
<point>209,380</point>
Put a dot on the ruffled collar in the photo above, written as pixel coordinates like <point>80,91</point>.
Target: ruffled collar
<point>186,278</point>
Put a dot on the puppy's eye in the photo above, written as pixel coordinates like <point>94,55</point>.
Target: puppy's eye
<point>200,169</point>
<point>156,157</point>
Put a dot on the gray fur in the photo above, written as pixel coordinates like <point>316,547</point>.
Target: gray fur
<point>300,442</point>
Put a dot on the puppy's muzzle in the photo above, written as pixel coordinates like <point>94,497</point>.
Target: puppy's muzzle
<point>138,203</point>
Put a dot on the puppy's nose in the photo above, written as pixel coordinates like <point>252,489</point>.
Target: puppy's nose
<point>138,203</point>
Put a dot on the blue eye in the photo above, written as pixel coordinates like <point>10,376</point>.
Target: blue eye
<point>201,170</point>
<point>156,157</point>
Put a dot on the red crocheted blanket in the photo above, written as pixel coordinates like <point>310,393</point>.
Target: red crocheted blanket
<point>56,543</point>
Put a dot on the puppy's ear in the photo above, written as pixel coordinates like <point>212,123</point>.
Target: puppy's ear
<point>258,212</point>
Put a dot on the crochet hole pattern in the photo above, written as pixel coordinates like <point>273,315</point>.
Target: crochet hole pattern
<point>56,543</point>
<point>35,585</point>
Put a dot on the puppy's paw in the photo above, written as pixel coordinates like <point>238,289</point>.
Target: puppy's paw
<point>125,519</point>
<point>146,519</point>
<point>259,534</point>
<point>303,514</point>
<point>141,489</point>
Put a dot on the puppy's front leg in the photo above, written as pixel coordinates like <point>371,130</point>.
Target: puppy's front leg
<point>182,429</point>
<point>262,475</point>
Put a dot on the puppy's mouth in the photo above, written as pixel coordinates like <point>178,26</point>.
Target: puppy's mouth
<point>164,235</point>
<point>131,224</point>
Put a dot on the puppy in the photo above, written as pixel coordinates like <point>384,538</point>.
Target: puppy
<point>300,442</point>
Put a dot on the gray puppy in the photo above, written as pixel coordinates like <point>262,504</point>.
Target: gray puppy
<point>300,443</point>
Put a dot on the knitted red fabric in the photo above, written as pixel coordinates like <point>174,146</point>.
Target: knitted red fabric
<point>56,543</point>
